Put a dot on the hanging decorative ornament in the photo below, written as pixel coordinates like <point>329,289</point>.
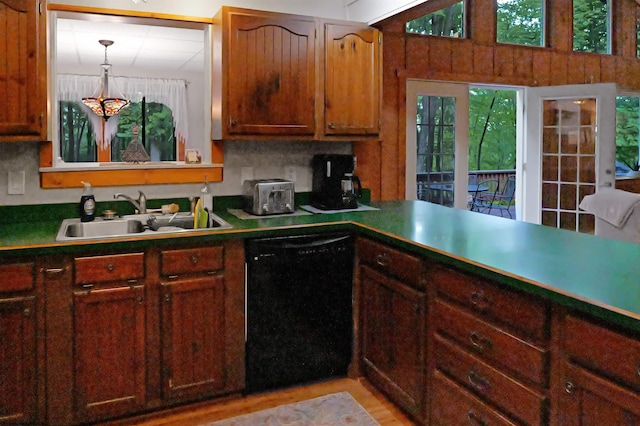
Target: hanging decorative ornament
<point>135,152</point>
<point>105,105</point>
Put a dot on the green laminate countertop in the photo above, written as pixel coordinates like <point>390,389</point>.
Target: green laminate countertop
<point>596,275</point>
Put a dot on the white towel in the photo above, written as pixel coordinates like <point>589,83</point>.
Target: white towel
<point>612,205</point>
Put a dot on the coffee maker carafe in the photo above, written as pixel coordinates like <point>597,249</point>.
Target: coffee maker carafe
<point>334,185</point>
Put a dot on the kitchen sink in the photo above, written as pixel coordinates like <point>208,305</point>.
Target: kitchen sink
<point>139,224</point>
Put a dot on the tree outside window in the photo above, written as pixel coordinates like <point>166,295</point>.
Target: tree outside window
<point>591,26</point>
<point>520,22</point>
<point>627,134</point>
<point>447,22</point>
<point>157,132</point>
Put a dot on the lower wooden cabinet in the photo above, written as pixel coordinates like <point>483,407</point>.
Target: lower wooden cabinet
<point>592,399</point>
<point>393,330</point>
<point>133,332</point>
<point>20,354</point>
<point>18,398</point>
<point>193,337</point>
<point>109,352</point>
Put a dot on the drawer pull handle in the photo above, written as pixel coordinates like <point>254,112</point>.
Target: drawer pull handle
<point>569,387</point>
<point>110,267</point>
<point>474,419</point>
<point>54,271</point>
<point>478,382</point>
<point>480,342</point>
<point>383,260</point>
<point>479,300</point>
<point>140,300</point>
<point>194,259</point>
<point>26,312</point>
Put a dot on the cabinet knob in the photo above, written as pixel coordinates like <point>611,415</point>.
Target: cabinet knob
<point>480,342</point>
<point>331,126</point>
<point>569,387</point>
<point>140,300</point>
<point>194,259</point>
<point>26,312</point>
<point>167,298</point>
<point>110,267</point>
<point>474,419</point>
<point>234,123</point>
<point>479,300</point>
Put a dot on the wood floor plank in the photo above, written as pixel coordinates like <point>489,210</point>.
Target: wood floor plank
<point>368,397</point>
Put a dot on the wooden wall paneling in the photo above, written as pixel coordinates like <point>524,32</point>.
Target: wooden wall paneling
<point>368,155</point>
<point>592,69</point>
<point>575,69</point>
<point>483,61</point>
<point>503,60</point>
<point>482,21</point>
<point>417,55</point>
<point>607,68</point>
<point>624,28</point>
<point>440,54</point>
<point>462,56</point>
<point>541,67</point>
<point>624,78</point>
<point>523,63</point>
<point>560,25</point>
<point>559,68</point>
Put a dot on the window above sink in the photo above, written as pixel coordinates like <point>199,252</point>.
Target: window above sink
<point>147,52</point>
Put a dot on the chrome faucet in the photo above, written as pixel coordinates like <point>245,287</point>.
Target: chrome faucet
<point>140,204</point>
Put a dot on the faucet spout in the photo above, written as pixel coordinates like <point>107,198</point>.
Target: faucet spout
<point>140,204</point>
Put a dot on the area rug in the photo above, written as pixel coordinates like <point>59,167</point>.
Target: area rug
<point>329,410</point>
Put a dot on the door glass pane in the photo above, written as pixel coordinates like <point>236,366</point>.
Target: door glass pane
<point>435,136</point>
<point>568,162</point>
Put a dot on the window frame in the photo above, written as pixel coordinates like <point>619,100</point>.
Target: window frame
<point>55,175</point>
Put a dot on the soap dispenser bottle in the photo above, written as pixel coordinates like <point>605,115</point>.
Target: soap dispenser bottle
<point>87,204</point>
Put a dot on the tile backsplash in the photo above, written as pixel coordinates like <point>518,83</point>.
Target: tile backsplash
<point>267,159</point>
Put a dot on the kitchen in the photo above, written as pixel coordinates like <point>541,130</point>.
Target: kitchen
<point>438,242</point>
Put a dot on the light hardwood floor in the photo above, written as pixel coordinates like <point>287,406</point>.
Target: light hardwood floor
<point>368,397</point>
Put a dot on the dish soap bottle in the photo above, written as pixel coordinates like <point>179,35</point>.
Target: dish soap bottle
<point>87,204</point>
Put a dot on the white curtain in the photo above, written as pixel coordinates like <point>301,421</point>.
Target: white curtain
<point>170,92</point>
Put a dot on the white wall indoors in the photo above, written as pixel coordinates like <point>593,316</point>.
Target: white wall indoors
<point>268,160</point>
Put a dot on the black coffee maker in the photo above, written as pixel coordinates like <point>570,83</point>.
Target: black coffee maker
<point>334,186</point>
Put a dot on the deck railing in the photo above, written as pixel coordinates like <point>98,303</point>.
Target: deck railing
<point>500,175</point>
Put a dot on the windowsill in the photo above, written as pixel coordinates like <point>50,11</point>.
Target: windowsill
<point>74,167</point>
<point>119,174</point>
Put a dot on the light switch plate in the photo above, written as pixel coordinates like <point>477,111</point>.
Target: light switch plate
<point>15,183</point>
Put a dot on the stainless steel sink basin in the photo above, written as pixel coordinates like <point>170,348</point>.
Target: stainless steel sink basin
<point>140,224</point>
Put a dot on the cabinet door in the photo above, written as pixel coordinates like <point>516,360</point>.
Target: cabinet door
<point>393,325</point>
<point>352,80</point>
<point>589,399</point>
<point>22,71</point>
<point>193,336</point>
<point>271,75</point>
<point>18,361</point>
<point>109,352</point>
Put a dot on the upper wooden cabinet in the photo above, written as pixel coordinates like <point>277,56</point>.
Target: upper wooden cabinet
<point>351,80</point>
<point>295,76</point>
<point>22,71</point>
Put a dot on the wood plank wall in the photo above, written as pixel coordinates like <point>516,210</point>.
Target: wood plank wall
<point>479,59</point>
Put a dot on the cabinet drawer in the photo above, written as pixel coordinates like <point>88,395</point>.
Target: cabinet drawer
<point>453,405</point>
<point>523,313</point>
<point>115,267</point>
<point>16,277</point>
<point>613,354</point>
<point>491,343</point>
<point>406,267</point>
<point>184,261</point>
<point>506,393</point>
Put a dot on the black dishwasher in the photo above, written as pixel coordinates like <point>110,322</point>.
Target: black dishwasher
<point>299,325</point>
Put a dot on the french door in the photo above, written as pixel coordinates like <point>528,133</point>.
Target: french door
<point>569,152</point>
<point>437,142</point>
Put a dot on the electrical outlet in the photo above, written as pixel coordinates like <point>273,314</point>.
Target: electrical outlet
<point>290,173</point>
<point>15,183</point>
<point>246,174</point>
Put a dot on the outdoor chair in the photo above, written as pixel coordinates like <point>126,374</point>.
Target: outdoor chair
<point>483,197</point>
<point>504,200</point>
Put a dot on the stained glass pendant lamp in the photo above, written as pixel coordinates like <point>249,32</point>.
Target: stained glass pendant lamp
<point>105,105</point>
